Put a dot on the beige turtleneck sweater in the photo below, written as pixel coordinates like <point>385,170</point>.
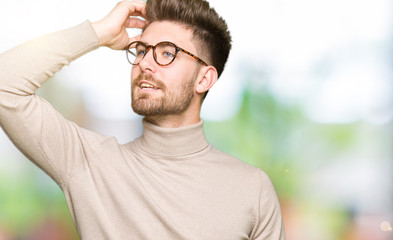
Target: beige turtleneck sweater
<point>167,184</point>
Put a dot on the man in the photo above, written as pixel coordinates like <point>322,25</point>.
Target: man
<point>167,184</point>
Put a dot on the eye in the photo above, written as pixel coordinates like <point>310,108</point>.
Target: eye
<point>166,50</point>
<point>140,51</point>
<point>168,54</point>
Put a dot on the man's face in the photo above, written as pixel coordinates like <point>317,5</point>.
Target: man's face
<point>164,90</point>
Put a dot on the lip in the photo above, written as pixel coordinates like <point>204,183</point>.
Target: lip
<point>147,89</point>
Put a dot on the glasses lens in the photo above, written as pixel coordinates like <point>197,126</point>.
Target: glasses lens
<point>165,53</point>
<point>136,52</point>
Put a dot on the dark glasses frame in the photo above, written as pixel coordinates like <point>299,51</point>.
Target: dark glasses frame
<point>148,47</point>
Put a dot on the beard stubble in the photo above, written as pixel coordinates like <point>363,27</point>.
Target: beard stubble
<point>171,102</point>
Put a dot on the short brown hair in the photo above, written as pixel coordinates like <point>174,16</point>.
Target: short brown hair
<point>209,29</point>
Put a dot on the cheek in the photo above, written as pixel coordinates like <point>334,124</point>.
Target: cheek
<point>182,79</point>
<point>174,80</point>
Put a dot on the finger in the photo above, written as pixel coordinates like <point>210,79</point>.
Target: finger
<point>137,14</point>
<point>129,8</point>
<point>134,23</point>
<point>136,8</point>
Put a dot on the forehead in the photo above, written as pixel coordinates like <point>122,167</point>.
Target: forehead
<point>168,31</point>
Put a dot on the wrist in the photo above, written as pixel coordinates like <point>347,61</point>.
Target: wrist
<point>100,32</point>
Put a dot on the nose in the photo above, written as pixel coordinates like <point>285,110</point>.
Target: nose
<point>148,63</point>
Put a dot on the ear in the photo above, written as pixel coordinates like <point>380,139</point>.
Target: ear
<point>206,79</point>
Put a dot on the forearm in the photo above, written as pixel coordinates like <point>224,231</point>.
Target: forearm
<point>26,67</point>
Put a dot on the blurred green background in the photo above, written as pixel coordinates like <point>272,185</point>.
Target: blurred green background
<point>307,96</point>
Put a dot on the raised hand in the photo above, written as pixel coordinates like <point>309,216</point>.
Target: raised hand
<point>111,30</point>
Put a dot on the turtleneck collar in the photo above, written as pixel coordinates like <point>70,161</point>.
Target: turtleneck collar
<point>172,142</point>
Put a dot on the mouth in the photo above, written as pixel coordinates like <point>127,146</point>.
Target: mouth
<point>145,85</point>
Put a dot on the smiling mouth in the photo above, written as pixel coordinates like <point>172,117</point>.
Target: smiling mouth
<point>145,82</point>
<point>148,86</point>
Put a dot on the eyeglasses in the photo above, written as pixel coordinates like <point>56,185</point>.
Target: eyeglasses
<point>164,53</point>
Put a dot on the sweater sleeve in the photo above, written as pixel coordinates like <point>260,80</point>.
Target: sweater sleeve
<point>54,144</point>
<point>268,224</point>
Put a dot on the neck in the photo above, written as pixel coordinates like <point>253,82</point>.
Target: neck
<point>171,121</point>
<point>171,142</point>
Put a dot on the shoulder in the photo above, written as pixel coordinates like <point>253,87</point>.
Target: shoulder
<point>242,172</point>
<point>231,161</point>
<point>235,167</point>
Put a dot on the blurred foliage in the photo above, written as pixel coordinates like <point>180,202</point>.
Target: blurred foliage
<point>258,135</point>
<point>278,138</point>
<point>29,202</point>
